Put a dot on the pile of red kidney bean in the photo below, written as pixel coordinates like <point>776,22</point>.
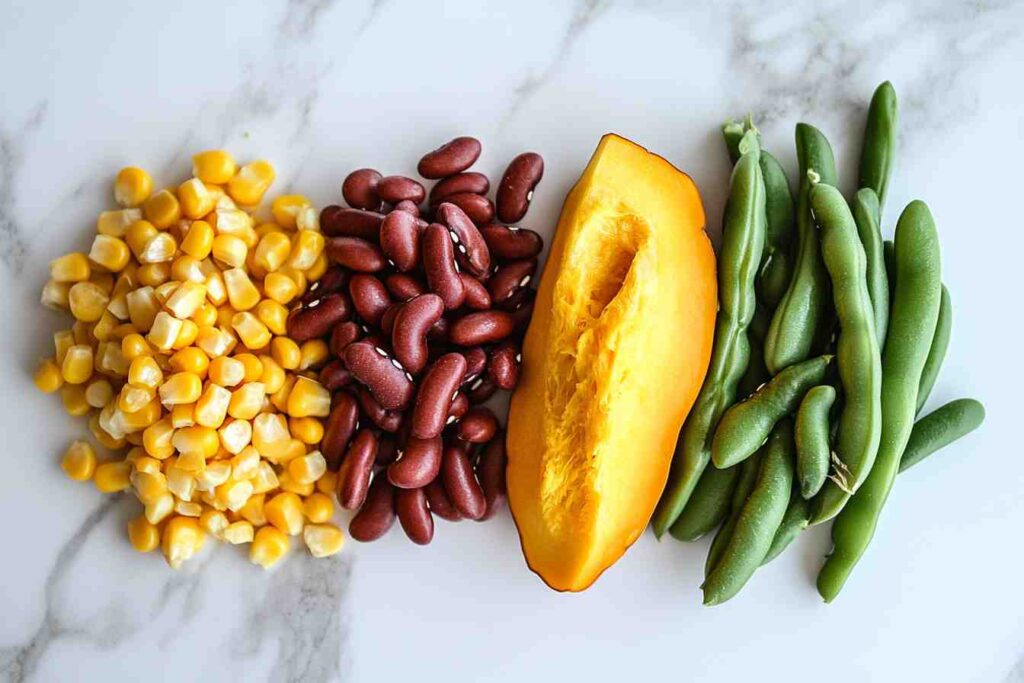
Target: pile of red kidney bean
<point>424,307</point>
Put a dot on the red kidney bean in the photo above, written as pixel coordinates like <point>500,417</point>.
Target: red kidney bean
<point>481,389</point>
<point>377,514</point>
<point>409,334</point>
<point>385,378</point>
<point>477,296</point>
<point>478,425</point>
<point>522,314</point>
<point>369,298</point>
<point>342,335</point>
<point>417,463</point>
<point>333,280</point>
<point>439,263</point>
<point>458,408</point>
<point>436,392</point>
<point>479,208</point>
<point>339,427</point>
<point>356,254</point>
<point>339,222</point>
<point>400,239</point>
<point>398,188</point>
<point>356,469</point>
<point>387,449</point>
<point>481,328</point>
<point>460,483</point>
<point>509,278</point>
<point>450,158</point>
<point>414,516</point>
<point>317,317</point>
<point>387,420</point>
<point>476,363</point>
<point>467,239</point>
<point>404,287</point>
<point>503,366</point>
<point>335,375</point>
<point>490,470</point>
<point>408,207</point>
<point>360,189</point>
<point>439,502</point>
<point>516,188</point>
<point>461,183</point>
<point>387,321</point>
<point>511,244</point>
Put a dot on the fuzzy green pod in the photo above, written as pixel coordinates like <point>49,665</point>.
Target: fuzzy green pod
<point>777,264</point>
<point>708,505</point>
<point>867,214</point>
<point>813,451</point>
<point>793,522</point>
<point>879,146</point>
<point>745,481</point>
<point>937,353</point>
<point>940,428</point>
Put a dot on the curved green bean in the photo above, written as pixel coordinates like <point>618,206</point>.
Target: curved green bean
<point>940,428</point>
<point>812,439</point>
<point>915,311</point>
<point>745,481</point>
<point>867,214</point>
<point>779,228</point>
<point>745,426</point>
<point>757,522</point>
<point>937,353</point>
<point>801,309</point>
<point>879,147</point>
<point>708,505</point>
<point>793,522</point>
<point>742,243</point>
<point>857,353</point>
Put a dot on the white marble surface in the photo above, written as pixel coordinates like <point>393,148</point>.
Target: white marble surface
<point>322,86</point>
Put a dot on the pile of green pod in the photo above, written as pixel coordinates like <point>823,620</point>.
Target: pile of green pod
<point>828,342</point>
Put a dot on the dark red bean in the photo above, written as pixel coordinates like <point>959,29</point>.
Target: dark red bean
<point>414,516</point>
<point>510,243</point>
<point>387,449</point>
<point>369,298</point>
<point>490,470</point>
<point>387,321</point>
<point>339,427</point>
<point>400,239</point>
<point>398,188</point>
<point>439,502</point>
<point>460,483</point>
<point>417,464</point>
<point>403,286</point>
<point>317,317</point>
<point>335,375</point>
<point>334,280</point>
<point>387,420</point>
<point>468,241</point>
<point>510,278</point>
<point>439,331</point>
<point>436,392</point>
<point>378,512</point>
<point>458,408</point>
<point>524,311</point>
<point>450,158</point>
<point>481,389</point>
<point>409,334</point>
<point>356,469</point>
<point>339,222</point>
<point>439,263</point>
<point>359,189</point>
<point>476,363</point>
<point>479,208</point>
<point>516,188</point>
<point>356,253</point>
<point>461,183</point>
<point>478,425</point>
<point>342,335</point>
<point>384,377</point>
<point>481,328</point>
<point>477,296</point>
<point>503,366</point>
<point>408,207</point>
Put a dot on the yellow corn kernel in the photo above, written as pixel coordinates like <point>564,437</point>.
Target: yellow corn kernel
<point>183,538</point>
<point>99,393</point>
<point>216,290</point>
<point>134,398</point>
<point>142,308</point>
<point>233,495</point>
<point>162,209</point>
<point>224,315</point>
<point>198,241</point>
<point>287,483</point>
<point>186,335</point>
<point>318,508</point>
<point>297,276</point>
<point>253,508</point>
<point>180,481</point>
<point>111,477</point>
<point>206,316</point>
<point>142,462</point>
<point>308,218</point>
<point>188,508</point>
<point>192,463</point>
<point>237,223</point>
<point>143,536</point>
<point>109,252</point>
<point>186,300</point>
<point>235,436</point>
<point>309,398</point>
<point>106,440</point>
<point>110,422</point>
<point>79,461</point>
<point>274,375</point>
<point>109,359</point>
<point>195,199</point>
<point>285,352</point>
<point>164,290</point>
<point>308,430</point>
<point>253,368</point>
<point>213,475</point>
<point>226,371</point>
<point>230,250</point>
<point>181,387</point>
<point>242,293</point>
<point>159,509</point>
<point>214,166</point>
<point>73,267</point>
<point>212,406</point>
<point>116,223</point>
<point>82,332</point>
<point>78,364</point>
<point>239,532</point>
<point>279,288</point>
<point>196,439</point>
<point>251,332</point>
<point>157,439</point>
<point>213,522</point>
<point>308,247</point>
<point>142,418</point>
<point>327,484</point>
<point>191,359</point>
<point>286,207</point>
<point>87,301</point>
<point>123,329</point>
<point>164,331</point>
<point>251,182</point>
<point>307,468</point>
<point>62,341</point>
<point>55,295</point>
<point>319,267</point>
<point>284,511</point>
<point>279,399</point>
<point>48,377</point>
<point>186,268</point>
<point>215,342</point>
<point>132,186</point>
<point>134,346</point>
<point>102,279</point>
<point>73,398</point>
<point>144,372</point>
<point>323,540</point>
<point>104,328</point>
<point>272,251</point>
<point>247,401</point>
<point>148,485</point>
<point>245,463</point>
<point>161,248</point>
<point>183,415</point>
<point>270,435</point>
<point>154,274</point>
<point>315,353</point>
<point>269,545</point>
<point>138,235</point>
<point>273,315</point>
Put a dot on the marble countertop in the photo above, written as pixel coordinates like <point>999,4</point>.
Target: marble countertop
<point>323,86</point>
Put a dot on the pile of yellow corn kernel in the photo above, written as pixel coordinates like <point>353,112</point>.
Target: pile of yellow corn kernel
<point>180,358</point>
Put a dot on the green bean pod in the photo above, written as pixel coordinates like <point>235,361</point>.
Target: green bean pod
<point>813,451</point>
<point>857,354</point>
<point>890,265</point>
<point>708,505</point>
<point>801,310</point>
<point>915,311</point>
<point>937,353</point>
<point>745,426</point>
<point>879,147</point>
<point>732,132</point>
<point>742,244</point>
<point>777,265</point>
<point>867,214</point>
<point>793,522</point>
<point>757,522</point>
<point>745,481</point>
<point>940,428</point>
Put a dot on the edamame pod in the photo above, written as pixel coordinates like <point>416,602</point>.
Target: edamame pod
<point>793,522</point>
<point>915,311</point>
<point>745,426</point>
<point>745,481</point>
<point>708,505</point>
<point>742,243</point>
<point>879,150</point>
<point>801,309</point>
<point>857,355</point>
<point>940,428</point>
<point>812,439</point>
<point>867,214</point>
<point>937,353</point>
<point>757,522</point>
